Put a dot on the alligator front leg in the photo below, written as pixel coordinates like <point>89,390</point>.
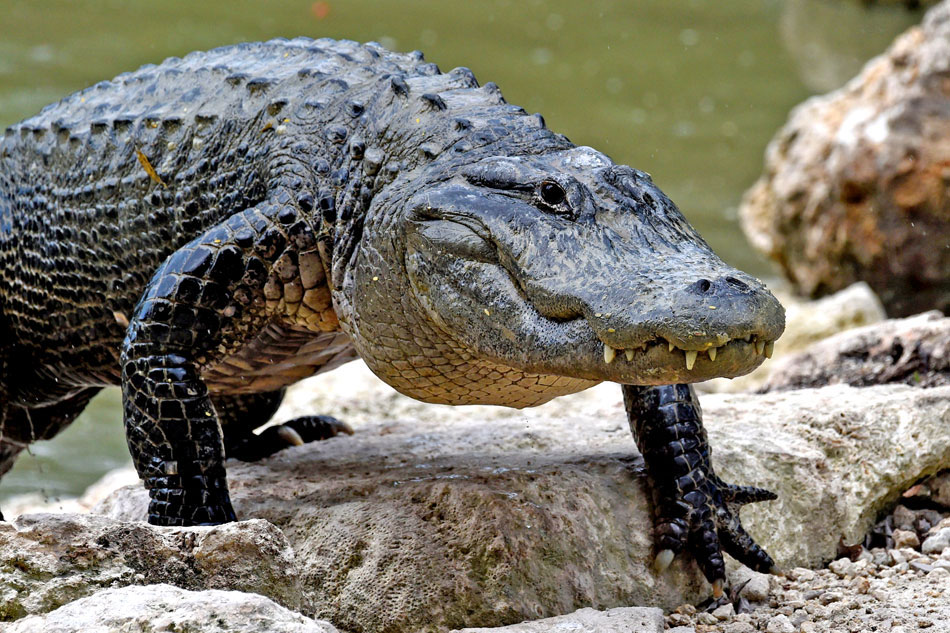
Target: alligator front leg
<point>695,509</point>
<point>189,310</point>
<point>173,433</point>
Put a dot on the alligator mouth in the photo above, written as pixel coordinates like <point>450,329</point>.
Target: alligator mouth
<point>657,359</point>
<point>744,346</point>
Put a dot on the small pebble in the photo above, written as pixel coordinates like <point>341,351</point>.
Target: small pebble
<point>904,519</point>
<point>918,566</point>
<point>937,542</point>
<point>879,557</point>
<point>802,574</point>
<point>679,619</point>
<point>757,589</point>
<point>808,627</point>
<point>909,553</point>
<point>842,567</point>
<point>905,538</point>
<point>685,609</point>
<point>780,624</point>
<point>860,584</point>
<point>830,596</point>
<point>938,574</point>
<point>897,556</point>
<point>706,618</point>
<point>724,612</point>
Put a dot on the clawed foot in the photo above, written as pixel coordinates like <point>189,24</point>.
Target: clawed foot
<point>705,522</point>
<point>296,432</point>
<point>695,510</point>
<point>311,428</point>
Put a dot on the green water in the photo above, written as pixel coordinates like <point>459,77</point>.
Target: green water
<point>688,90</point>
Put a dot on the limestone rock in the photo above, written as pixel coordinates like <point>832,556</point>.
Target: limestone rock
<point>167,608</point>
<point>621,620</point>
<point>433,517</point>
<point>48,560</point>
<point>914,351</point>
<point>854,186</point>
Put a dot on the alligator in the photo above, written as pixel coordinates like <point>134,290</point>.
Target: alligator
<point>210,230</point>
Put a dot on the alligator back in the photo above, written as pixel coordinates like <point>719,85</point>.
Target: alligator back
<point>98,189</point>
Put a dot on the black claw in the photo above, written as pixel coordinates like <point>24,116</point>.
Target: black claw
<point>741,495</point>
<point>313,428</point>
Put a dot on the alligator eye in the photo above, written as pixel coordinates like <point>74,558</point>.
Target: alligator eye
<point>552,193</point>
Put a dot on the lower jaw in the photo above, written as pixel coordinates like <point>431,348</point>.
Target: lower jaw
<point>655,364</point>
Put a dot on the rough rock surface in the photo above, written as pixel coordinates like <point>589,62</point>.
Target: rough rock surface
<point>48,560</point>
<point>914,351</point>
<point>166,608</point>
<point>445,517</point>
<point>855,183</point>
<point>620,620</point>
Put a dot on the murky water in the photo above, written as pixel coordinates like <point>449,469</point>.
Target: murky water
<point>688,90</point>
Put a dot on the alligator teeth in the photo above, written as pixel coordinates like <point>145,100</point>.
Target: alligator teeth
<point>672,347</point>
<point>629,354</point>
<point>712,353</point>
<point>691,358</point>
<point>759,346</point>
<point>768,349</point>
<point>609,354</point>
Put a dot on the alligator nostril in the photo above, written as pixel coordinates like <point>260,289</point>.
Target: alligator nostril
<point>735,283</point>
<point>703,285</point>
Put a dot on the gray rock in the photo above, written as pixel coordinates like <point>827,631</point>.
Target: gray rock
<point>167,608</point>
<point>913,351</point>
<point>936,542</point>
<point>780,624</point>
<point>755,585</point>
<point>854,183</point>
<point>48,560</point>
<point>905,538</point>
<point>445,517</point>
<point>620,620</point>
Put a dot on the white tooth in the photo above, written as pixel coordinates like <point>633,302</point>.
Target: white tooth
<point>672,347</point>
<point>712,353</point>
<point>629,354</point>
<point>759,346</point>
<point>768,349</point>
<point>691,358</point>
<point>609,354</point>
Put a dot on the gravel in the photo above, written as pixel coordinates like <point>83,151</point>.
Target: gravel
<point>897,581</point>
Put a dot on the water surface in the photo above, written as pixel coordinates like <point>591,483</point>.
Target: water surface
<point>688,90</point>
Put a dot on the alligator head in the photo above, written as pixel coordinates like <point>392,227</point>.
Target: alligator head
<point>521,278</point>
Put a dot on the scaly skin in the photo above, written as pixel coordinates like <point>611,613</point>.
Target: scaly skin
<point>210,230</point>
